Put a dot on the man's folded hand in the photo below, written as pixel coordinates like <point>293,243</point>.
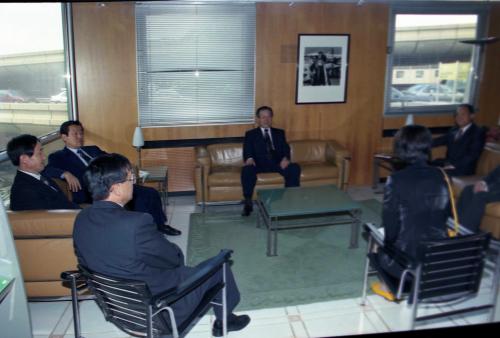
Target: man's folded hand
<point>73,182</point>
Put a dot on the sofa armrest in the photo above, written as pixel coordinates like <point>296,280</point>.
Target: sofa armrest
<point>63,185</point>
<point>201,171</point>
<point>339,155</point>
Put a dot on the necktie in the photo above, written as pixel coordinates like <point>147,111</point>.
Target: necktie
<point>87,158</point>
<point>269,143</point>
<point>459,134</point>
<point>47,183</point>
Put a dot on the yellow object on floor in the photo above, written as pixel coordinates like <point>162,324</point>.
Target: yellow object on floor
<point>379,290</point>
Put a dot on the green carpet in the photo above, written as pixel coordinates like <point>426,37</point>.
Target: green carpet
<point>312,265</point>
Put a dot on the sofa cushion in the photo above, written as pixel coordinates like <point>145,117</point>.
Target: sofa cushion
<point>228,176</point>
<point>489,159</point>
<point>226,155</point>
<point>493,209</point>
<point>317,171</point>
<point>308,151</point>
<point>269,178</point>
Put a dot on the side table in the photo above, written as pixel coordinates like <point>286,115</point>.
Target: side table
<point>157,174</point>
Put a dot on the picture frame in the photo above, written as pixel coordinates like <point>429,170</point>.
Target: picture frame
<point>322,68</point>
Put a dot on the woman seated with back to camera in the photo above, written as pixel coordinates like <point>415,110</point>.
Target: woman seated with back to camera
<point>416,201</point>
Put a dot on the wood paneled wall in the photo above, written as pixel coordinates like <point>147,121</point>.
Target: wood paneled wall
<point>489,89</point>
<point>106,73</point>
<point>106,78</point>
<point>356,123</point>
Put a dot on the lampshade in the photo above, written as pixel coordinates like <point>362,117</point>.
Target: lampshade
<point>409,120</point>
<point>138,140</point>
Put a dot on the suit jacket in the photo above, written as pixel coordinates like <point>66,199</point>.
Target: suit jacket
<point>114,241</point>
<point>416,207</point>
<point>28,193</point>
<point>254,146</point>
<point>464,152</point>
<point>66,160</point>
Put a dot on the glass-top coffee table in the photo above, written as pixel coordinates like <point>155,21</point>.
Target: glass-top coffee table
<point>301,207</point>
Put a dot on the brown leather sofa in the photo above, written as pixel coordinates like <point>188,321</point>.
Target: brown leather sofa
<point>489,159</point>
<point>217,174</point>
<point>44,244</point>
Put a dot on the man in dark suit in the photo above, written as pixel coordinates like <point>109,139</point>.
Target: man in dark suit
<point>114,241</point>
<point>265,150</point>
<point>464,143</point>
<point>74,157</point>
<point>32,188</point>
<point>474,198</point>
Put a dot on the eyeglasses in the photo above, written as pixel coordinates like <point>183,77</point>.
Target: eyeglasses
<point>131,179</point>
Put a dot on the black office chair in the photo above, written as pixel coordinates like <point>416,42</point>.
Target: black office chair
<point>446,270</point>
<point>130,306</point>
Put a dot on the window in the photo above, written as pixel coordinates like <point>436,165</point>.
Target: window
<point>429,43</point>
<point>400,74</point>
<point>195,63</point>
<point>34,75</point>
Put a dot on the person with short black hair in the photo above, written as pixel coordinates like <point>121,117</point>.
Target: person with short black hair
<point>265,150</point>
<point>464,143</point>
<point>75,158</point>
<point>32,188</point>
<point>416,201</point>
<point>114,241</point>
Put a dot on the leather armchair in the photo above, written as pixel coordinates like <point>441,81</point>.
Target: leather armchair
<point>44,244</point>
<point>489,159</point>
<point>217,173</point>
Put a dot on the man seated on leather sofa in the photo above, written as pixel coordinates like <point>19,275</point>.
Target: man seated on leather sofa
<point>32,188</point>
<point>74,157</point>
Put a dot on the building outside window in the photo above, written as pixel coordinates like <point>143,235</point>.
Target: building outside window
<point>34,75</point>
<point>444,68</point>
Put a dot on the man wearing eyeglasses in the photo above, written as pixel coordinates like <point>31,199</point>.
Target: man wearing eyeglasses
<point>75,158</point>
<point>119,243</point>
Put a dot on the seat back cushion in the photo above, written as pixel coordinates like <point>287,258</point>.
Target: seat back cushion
<point>226,155</point>
<point>308,151</point>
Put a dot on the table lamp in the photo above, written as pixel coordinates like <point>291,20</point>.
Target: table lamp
<point>138,143</point>
<point>409,120</point>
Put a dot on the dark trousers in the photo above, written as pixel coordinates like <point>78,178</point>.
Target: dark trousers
<point>471,206</point>
<point>185,306</point>
<point>146,199</point>
<point>249,176</point>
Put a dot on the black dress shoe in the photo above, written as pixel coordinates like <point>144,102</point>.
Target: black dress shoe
<point>248,208</point>
<point>168,230</point>
<point>234,323</point>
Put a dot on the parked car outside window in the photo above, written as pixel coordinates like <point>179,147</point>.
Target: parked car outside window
<point>7,95</point>
<point>433,93</point>
<point>62,97</point>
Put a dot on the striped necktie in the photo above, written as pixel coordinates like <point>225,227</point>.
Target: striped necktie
<point>86,157</point>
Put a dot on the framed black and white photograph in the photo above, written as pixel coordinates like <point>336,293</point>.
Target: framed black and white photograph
<point>322,63</point>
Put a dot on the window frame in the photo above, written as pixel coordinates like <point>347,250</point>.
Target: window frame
<point>477,55</point>
<point>69,60</point>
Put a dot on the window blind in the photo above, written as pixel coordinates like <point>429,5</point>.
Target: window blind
<point>195,63</point>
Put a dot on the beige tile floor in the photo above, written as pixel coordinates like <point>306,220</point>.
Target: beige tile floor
<point>334,318</point>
